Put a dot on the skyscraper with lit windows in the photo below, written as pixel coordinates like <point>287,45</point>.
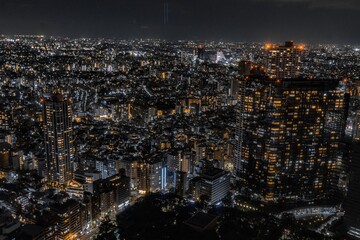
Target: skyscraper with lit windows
<point>58,137</point>
<point>284,61</point>
<point>288,134</point>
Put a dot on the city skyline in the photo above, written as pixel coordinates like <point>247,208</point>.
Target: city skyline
<point>308,21</point>
<point>112,126</point>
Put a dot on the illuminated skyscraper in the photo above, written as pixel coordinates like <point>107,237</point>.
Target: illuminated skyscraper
<point>58,137</point>
<point>288,134</point>
<point>284,61</point>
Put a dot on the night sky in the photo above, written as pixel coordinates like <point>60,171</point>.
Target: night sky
<point>306,21</point>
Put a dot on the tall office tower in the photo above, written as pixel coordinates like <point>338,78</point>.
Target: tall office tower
<point>213,183</point>
<point>288,134</point>
<point>284,61</point>
<point>58,137</point>
<point>352,202</point>
<point>201,51</point>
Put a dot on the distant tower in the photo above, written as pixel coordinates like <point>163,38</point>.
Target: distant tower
<point>166,12</point>
<point>201,51</point>
<point>58,137</point>
<point>284,61</point>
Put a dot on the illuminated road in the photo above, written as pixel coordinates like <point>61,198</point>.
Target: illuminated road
<point>300,213</point>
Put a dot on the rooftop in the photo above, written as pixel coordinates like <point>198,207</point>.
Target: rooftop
<point>202,221</point>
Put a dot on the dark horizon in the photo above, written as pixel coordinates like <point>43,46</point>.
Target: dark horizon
<point>305,21</point>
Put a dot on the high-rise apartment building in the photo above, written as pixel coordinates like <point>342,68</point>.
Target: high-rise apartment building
<point>68,220</point>
<point>151,176</point>
<point>288,135</point>
<point>284,61</point>
<point>58,137</point>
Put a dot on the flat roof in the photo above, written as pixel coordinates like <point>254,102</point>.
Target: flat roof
<point>201,220</point>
